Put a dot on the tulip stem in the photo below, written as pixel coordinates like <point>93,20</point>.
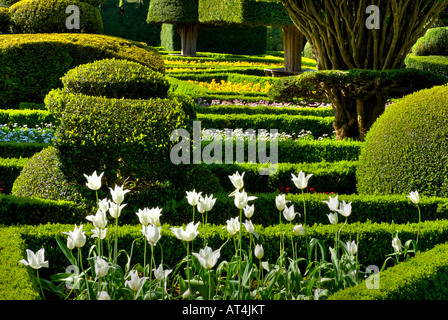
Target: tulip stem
<point>150,268</point>
<point>188,269</point>
<point>240,255</point>
<point>40,285</point>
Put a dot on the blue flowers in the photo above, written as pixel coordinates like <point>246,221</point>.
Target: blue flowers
<point>23,134</point>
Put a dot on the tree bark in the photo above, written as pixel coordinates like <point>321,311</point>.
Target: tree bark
<point>292,47</point>
<point>188,35</point>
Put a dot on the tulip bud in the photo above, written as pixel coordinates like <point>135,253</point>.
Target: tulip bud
<point>298,230</point>
<point>259,252</point>
<point>414,196</point>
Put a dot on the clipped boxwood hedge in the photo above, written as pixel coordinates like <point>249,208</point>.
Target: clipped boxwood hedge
<point>112,78</point>
<point>433,43</point>
<point>16,281</point>
<point>5,20</point>
<point>424,277</point>
<point>32,64</point>
<point>262,109</point>
<point>283,123</point>
<point>173,11</point>
<point>9,171</point>
<point>17,150</point>
<point>436,64</point>
<point>35,16</point>
<point>31,118</point>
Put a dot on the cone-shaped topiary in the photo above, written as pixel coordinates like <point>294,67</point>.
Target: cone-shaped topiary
<point>407,147</point>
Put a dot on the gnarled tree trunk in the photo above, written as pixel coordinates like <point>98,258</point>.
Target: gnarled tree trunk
<point>188,36</point>
<point>292,47</point>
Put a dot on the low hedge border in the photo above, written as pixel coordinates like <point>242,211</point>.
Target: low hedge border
<point>235,109</point>
<point>16,282</point>
<point>9,171</point>
<point>283,123</point>
<point>337,177</point>
<point>33,211</point>
<point>305,151</point>
<point>436,64</point>
<point>432,234</point>
<point>23,149</point>
<point>31,118</point>
<point>424,277</point>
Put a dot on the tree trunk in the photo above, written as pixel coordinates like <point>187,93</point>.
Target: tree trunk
<point>368,111</point>
<point>354,117</point>
<point>188,35</point>
<point>292,47</point>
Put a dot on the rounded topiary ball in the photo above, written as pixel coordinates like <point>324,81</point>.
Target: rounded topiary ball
<point>433,43</point>
<point>407,147</point>
<point>112,78</point>
<point>42,177</point>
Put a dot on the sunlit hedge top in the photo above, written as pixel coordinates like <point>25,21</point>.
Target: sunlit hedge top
<point>253,12</point>
<point>172,11</point>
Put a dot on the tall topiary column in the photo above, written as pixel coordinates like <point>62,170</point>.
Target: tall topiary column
<point>183,14</point>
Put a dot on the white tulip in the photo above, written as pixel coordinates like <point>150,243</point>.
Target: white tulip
<point>98,220</point>
<point>115,209</point>
<point>249,211</point>
<point>207,257</point>
<point>345,209</point>
<point>147,216</point>
<point>136,282</point>
<point>206,204</point>
<point>161,274</point>
<point>103,295</point>
<point>414,196</point>
<point>237,180</point>
<point>352,247</point>
<point>190,232</point>
<point>333,218</point>
<point>152,234</point>
<point>77,236</point>
<point>101,267</point>
<point>333,203</point>
<point>103,205</point>
<point>35,260</point>
<point>301,181</point>
<point>259,252</point>
<point>249,226</point>
<point>396,244</point>
<point>118,194</point>
<point>233,225</point>
<point>280,202</point>
<point>94,181</point>
<point>289,213</point>
<point>241,199</point>
<point>98,233</point>
<point>193,197</point>
<point>299,230</point>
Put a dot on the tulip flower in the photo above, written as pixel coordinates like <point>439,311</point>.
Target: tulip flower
<point>352,247</point>
<point>94,181</point>
<point>193,197</point>
<point>345,209</point>
<point>396,244</point>
<point>241,199</point>
<point>207,257</point>
<point>35,260</point>
<point>237,180</point>
<point>249,211</point>
<point>161,274</point>
<point>149,216</point>
<point>289,213</point>
<point>103,205</point>
<point>190,232</point>
<point>70,243</point>
<point>249,226</point>
<point>118,194</point>
<point>280,202</point>
<point>115,209</point>
<point>414,196</point>
<point>333,203</point>
<point>98,220</point>
<point>299,230</point>
<point>301,181</point>
<point>333,218</point>
<point>103,296</point>
<point>233,226</point>
<point>136,282</point>
<point>77,236</point>
<point>97,233</point>
<point>259,251</point>
<point>101,267</point>
<point>206,204</point>
<point>152,234</point>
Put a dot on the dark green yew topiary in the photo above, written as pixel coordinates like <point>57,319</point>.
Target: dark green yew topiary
<point>407,147</point>
<point>113,78</point>
<point>433,43</point>
<point>42,177</point>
